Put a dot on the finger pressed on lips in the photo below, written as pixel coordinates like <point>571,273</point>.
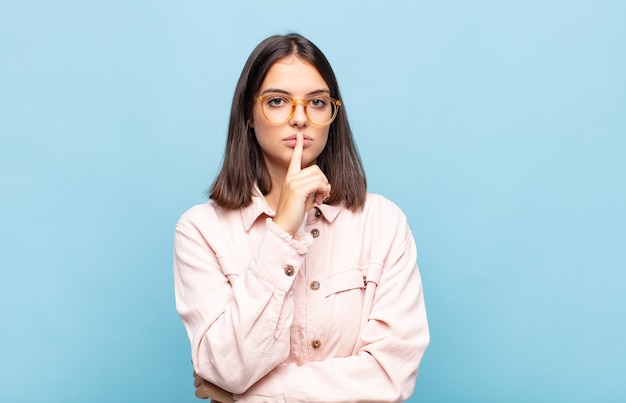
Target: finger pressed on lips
<point>295,165</point>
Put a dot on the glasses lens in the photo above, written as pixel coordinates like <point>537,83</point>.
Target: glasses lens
<point>320,110</point>
<point>277,108</point>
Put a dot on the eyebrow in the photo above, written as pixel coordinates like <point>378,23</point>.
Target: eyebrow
<point>279,91</point>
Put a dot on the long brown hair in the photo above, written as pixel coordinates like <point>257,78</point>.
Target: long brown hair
<point>243,166</point>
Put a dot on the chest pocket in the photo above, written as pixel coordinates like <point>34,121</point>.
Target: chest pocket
<point>366,277</point>
<point>344,281</point>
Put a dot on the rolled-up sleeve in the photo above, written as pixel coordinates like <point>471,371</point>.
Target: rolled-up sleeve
<point>239,332</point>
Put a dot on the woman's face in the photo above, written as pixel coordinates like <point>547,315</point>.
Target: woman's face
<point>298,79</point>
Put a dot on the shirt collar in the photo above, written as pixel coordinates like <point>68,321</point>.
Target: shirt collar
<point>257,208</point>
<point>260,207</point>
<point>330,212</point>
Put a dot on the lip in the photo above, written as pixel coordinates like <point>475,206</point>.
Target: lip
<point>291,141</point>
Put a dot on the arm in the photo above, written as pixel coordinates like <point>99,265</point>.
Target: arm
<point>238,332</point>
<point>389,349</point>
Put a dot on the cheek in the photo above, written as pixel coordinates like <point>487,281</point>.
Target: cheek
<point>320,144</point>
<point>324,136</point>
<point>259,126</point>
<point>262,133</point>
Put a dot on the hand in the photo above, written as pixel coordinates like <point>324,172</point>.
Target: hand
<point>206,390</point>
<point>301,189</point>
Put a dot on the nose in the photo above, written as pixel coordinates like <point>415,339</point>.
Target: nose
<point>299,114</point>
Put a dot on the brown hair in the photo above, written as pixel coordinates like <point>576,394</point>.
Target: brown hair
<point>243,166</point>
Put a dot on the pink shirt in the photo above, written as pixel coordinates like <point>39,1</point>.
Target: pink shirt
<point>278,318</point>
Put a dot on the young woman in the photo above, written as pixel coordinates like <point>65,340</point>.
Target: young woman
<point>293,283</point>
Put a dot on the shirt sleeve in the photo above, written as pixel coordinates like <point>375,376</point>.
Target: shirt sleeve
<point>389,349</point>
<point>239,331</point>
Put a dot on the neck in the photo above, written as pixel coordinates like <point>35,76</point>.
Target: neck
<point>278,178</point>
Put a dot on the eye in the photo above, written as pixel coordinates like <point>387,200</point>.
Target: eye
<point>277,101</point>
<point>319,102</point>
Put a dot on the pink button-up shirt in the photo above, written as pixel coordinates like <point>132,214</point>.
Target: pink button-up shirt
<point>334,314</point>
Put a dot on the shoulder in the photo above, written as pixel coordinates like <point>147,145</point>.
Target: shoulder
<point>205,224</point>
<point>376,204</point>
<point>204,216</point>
<point>381,216</point>
<point>383,227</point>
<point>200,212</point>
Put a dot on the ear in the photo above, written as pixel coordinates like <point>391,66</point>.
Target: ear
<point>250,124</point>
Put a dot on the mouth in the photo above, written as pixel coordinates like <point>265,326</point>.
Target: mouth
<point>291,141</point>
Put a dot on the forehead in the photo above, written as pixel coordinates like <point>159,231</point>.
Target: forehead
<point>293,75</point>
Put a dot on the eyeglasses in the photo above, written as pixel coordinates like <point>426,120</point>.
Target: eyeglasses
<point>319,110</point>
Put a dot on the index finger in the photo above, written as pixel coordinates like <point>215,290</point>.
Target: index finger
<point>295,165</point>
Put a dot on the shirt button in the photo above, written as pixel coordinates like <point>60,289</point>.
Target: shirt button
<point>315,232</point>
<point>289,270</point>
<point>315,285</point>
<point>316,344</point>
<point>365,280</point>
<point>318,212</point>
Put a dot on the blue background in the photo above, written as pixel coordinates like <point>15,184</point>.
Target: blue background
<point>498,127</point>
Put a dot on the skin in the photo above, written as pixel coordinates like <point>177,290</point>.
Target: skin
<point>297,182</point>
<point>206,390</point>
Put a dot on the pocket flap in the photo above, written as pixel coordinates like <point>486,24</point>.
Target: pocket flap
<point>343,281</point>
